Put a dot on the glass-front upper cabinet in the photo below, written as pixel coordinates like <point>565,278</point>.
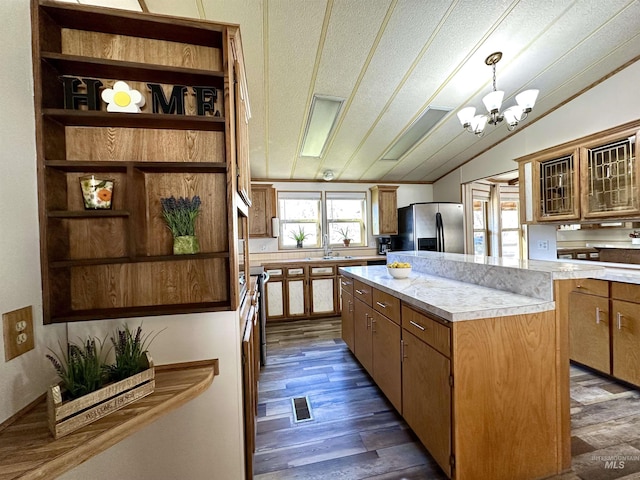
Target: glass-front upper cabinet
<point>610,182</point>
<point>558,194</point>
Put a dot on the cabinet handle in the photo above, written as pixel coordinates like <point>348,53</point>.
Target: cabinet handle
<point>597,315</point>
<point>366,316</point>
<point>383,305</point>
<point>416,325</point>
<point>619,315</point>
<point>373,321</point>
<point>350,306</point>
<point>359,292</point>
<point>403,353</point>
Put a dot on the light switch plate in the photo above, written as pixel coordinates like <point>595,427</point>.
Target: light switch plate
<point>18,332</point>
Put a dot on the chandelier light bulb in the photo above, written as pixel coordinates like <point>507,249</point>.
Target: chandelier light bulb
<point>478,123</point>
<point>527,99</point>
<point>466,115</point>
<point>493,101</point>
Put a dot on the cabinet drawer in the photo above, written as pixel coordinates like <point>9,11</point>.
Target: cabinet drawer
<point>387,304</point>
<point>323,271</point>
<point>592,287</point>
<point>362,291</point>
<point>274,272</point>
<point>346,284</point>
<point>427,329</point>
<point>295,271</point>
<point>625,291</point>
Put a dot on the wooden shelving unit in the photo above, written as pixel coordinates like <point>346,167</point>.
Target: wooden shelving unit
<point>119,262</point>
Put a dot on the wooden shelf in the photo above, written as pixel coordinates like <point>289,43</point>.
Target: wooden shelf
<point>117,263</point>
<point>87,213</point>
<point>136,259</point>
<point>156,167</point>
<point>85,118</point>
<point>76,65</point>
<point>29,451</point>
<point>120,22</point>
<point>84,315</point>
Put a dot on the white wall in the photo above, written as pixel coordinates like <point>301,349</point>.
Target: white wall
<point>448,188</point>
<point>613,102</point>
<point>407,194</point>
<point>202,439</point>
<point>24,378</point>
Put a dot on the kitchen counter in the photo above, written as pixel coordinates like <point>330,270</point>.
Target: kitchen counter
<point>459,349</point>
<point>449,299</point>
<point>465,287</point>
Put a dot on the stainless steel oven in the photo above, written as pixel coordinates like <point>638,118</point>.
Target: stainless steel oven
<point>263,278</point>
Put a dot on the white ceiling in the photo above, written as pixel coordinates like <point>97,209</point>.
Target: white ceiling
<point>390,59</point>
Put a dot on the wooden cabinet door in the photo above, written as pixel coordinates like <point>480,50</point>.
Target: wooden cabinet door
<point>589,330</point>
<point>275,299</point>
<point>387,367</point>
<point>384,210</point>
<point>426,397</point>
<point>296,296</point>
<point>347,320</point>
<point>250,392</point>
<point>263,209</point>
<point>626,341</point>
<point>363,314</point>
<point>322,296</point>
<point>610,182</point>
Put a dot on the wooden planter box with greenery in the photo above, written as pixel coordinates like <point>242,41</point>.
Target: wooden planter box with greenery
<point>82,370</point>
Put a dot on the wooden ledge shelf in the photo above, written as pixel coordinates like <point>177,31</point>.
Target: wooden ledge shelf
<point>29,451</point>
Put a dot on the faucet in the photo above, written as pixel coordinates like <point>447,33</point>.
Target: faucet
<point>325,245</point>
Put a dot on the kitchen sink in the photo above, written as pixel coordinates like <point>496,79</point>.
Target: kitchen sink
<point>346,257</point>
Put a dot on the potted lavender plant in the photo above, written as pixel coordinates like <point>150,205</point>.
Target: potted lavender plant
<point>180,216</point>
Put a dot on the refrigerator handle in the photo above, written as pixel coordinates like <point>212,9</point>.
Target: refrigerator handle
<point>439,239</point>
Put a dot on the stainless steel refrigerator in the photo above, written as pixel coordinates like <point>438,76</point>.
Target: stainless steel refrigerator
<point>435,226</point>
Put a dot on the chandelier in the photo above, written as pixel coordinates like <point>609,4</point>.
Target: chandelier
<point>493,101</point>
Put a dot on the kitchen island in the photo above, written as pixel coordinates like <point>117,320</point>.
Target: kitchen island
<point>473,352</point>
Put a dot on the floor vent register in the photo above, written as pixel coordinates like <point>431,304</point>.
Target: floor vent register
<point>301,409</point>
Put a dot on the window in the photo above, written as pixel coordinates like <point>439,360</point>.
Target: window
<point>495,218</point>
<point>320,213</point>
<point>300,210</point>
<point>510,237</point>
<point>346,214</point>
<point>480,227</point>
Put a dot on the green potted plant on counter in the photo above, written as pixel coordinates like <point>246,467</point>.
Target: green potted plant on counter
<point>299,236</point>
<point>344,234</point>
<point>180,215</point>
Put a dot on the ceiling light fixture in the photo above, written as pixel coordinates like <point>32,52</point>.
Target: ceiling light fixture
<point>493,101</point>
<point>328,175</point>
<point>323,115</point>
<point>418,129</point>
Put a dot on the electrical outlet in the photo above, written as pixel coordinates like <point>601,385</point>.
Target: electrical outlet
<point>18,332</point>
<point>543,244</point>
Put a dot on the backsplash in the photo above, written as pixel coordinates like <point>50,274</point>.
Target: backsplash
<point>258,258</point>
<point>579,238</point>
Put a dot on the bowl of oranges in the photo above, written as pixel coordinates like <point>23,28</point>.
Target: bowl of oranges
<point>399,269</point>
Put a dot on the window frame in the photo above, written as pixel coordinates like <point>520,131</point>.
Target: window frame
<point>323,223</point>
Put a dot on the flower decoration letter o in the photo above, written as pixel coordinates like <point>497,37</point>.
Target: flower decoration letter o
<point>121,98</point>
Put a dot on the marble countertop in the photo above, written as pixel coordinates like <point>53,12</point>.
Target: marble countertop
<point>451,300</point>
<point>558,270</point>
<point>620,245</point>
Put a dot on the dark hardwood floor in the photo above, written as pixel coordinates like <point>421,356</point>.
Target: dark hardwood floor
<point>355,433</point>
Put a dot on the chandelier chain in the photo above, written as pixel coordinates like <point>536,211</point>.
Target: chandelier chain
<point>494,77</point>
